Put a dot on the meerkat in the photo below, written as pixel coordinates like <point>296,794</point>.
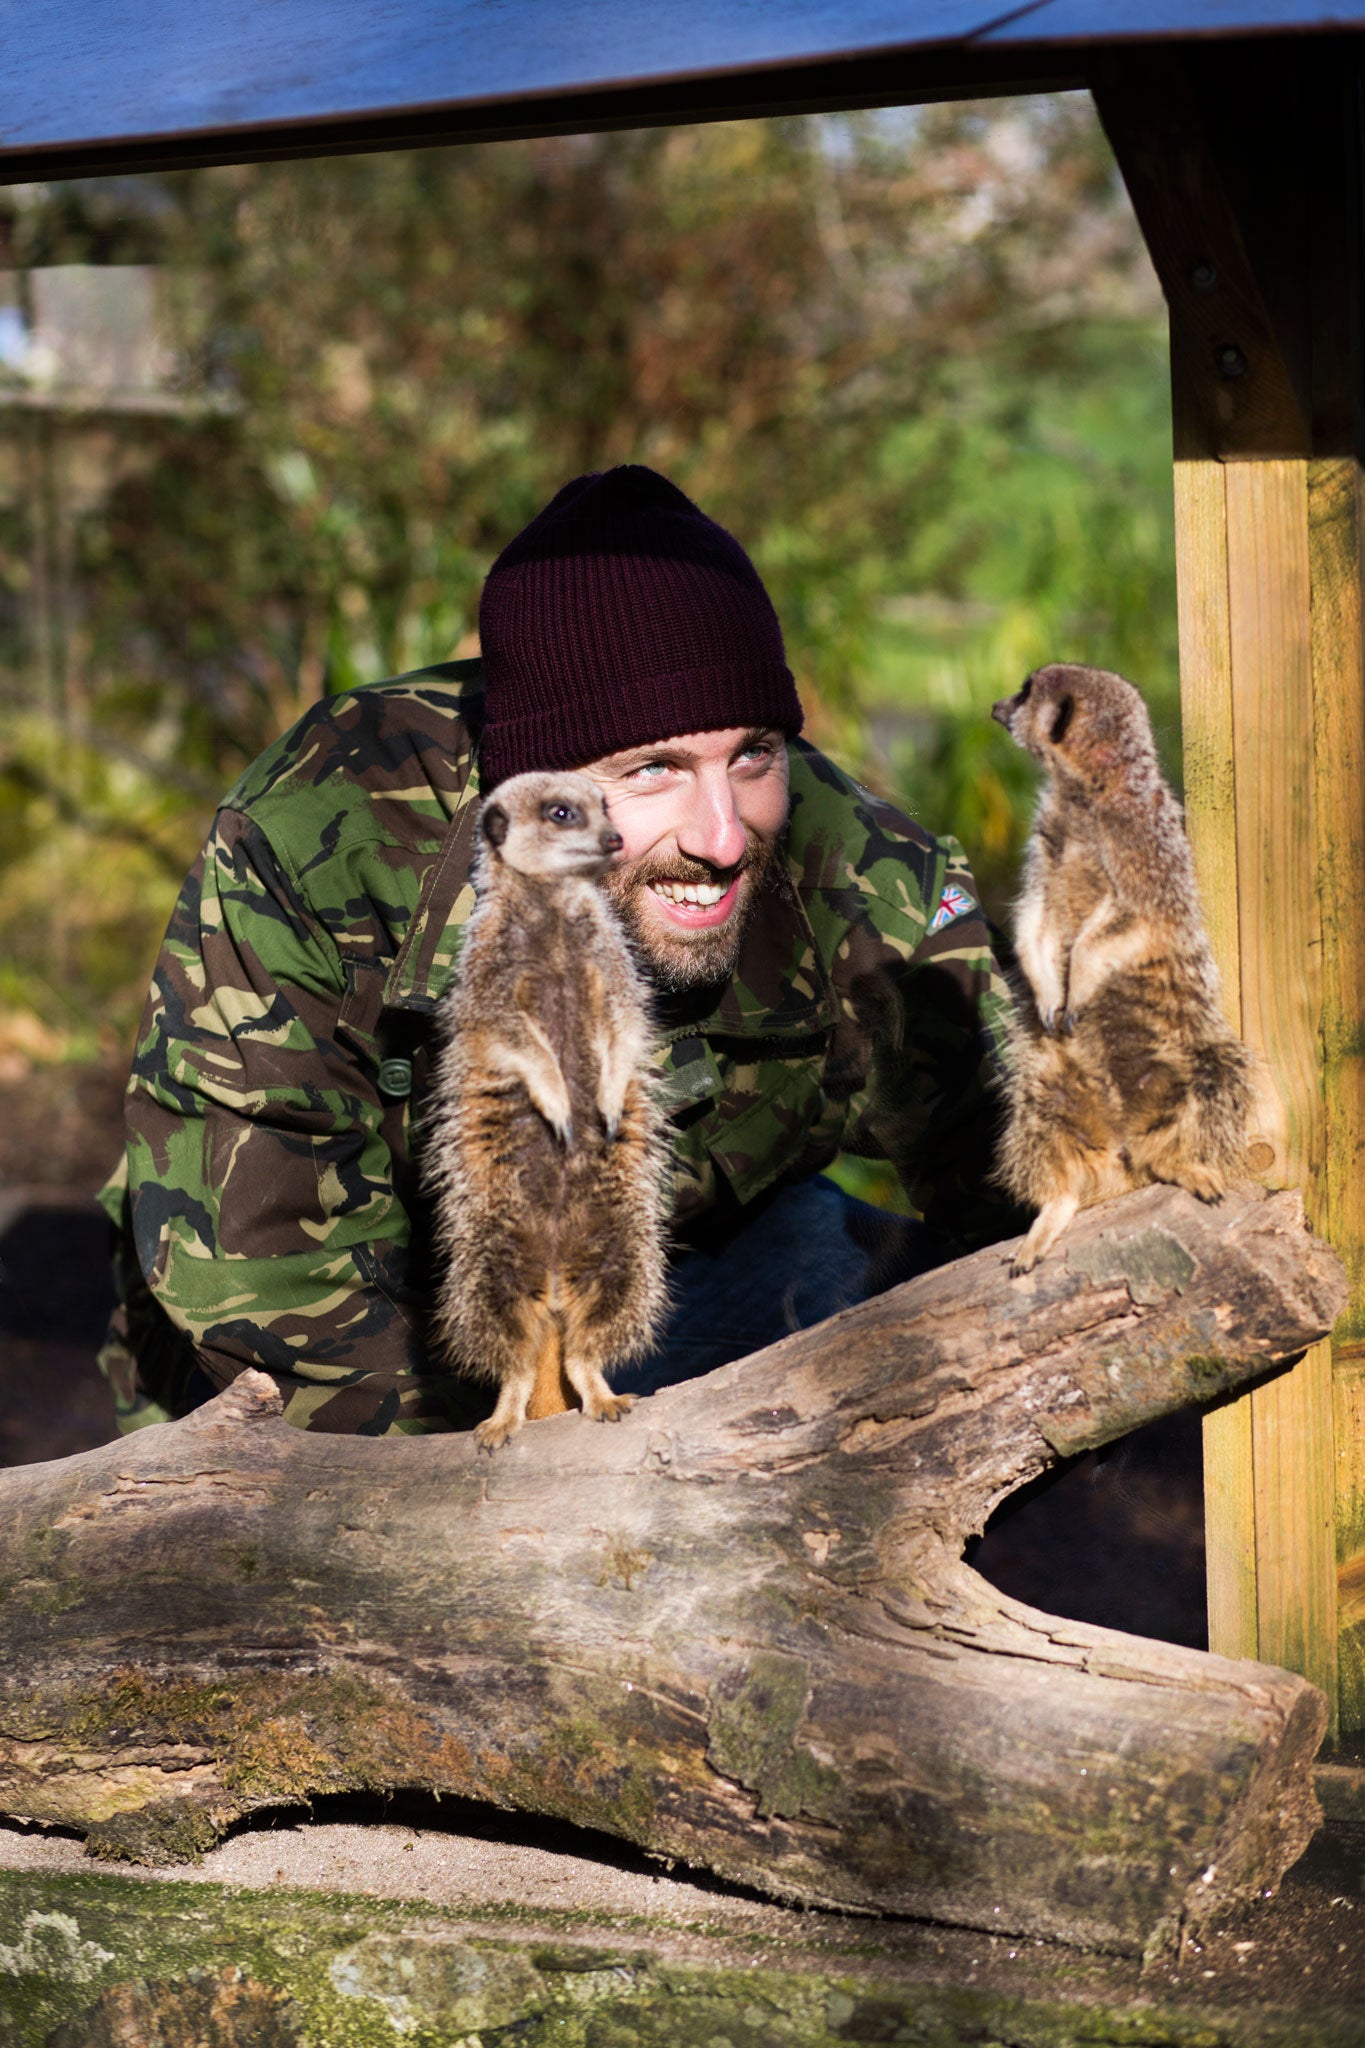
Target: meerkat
<point>1124,1070</point>
<point>544,1148</point>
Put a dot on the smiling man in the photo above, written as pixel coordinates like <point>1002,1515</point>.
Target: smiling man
<point>823,972</point>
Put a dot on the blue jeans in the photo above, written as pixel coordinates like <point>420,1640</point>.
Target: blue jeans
<point>802,1255</point>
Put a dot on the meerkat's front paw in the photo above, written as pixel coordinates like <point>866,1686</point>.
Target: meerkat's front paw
<point>1204,1182</point>
<point>1022,1261</point>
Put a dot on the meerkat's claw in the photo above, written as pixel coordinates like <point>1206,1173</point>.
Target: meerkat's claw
<point>1021,1263</point>
<point>1200,1181</point>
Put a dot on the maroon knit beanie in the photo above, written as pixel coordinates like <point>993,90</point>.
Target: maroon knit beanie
<point>619,616</point>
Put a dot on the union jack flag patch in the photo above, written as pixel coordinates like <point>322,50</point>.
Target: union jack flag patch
<point>951,904</point>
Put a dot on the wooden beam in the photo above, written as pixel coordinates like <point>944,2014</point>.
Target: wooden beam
<point>1211,801</point>
<point>1245,173</point>
<point>1238,388</point>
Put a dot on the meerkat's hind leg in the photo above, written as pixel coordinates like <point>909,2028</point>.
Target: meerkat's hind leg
<point>583,1372</point>
<point>597,1397</point>
<point>1207,1148</point>
<point>1046,1228</point>
<point>535,1350</point>
<point>510,1412</point>
<point>1200,1176</point>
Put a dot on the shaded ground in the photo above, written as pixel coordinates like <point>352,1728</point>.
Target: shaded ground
<point>60,1132</point>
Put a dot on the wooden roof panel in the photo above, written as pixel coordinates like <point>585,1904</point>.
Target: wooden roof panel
<point>1102,21</point>
<point>97,85</point>
<point>146,67</point>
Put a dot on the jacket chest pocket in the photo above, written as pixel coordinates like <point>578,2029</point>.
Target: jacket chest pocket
<point>397,1045</point>
<point>773,1120</point>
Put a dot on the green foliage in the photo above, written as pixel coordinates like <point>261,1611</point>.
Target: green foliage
<point>914,361</point>
<point>1050,539</point>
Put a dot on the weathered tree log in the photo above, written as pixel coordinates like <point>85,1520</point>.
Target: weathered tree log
<point>735,1628</point>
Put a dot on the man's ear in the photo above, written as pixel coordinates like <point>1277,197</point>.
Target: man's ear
<point>495,824</point>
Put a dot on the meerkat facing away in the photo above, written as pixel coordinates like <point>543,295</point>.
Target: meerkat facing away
<point>1124,1068</point>
<point>544,1149</point>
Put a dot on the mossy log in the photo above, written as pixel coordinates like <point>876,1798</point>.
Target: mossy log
<point>735,1628</point>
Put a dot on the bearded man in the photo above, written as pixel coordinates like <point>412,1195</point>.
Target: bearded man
<point>824,975</point>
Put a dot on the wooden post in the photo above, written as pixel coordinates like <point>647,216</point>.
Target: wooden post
<point>1244,167</point>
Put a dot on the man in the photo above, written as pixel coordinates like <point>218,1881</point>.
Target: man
<point>824,974</point>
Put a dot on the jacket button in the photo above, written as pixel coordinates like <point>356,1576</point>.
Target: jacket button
<point>395,1078</point>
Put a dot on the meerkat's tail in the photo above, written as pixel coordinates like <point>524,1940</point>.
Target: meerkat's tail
<point>552,1393</point>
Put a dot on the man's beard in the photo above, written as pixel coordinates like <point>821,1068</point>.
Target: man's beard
<point>676,959</point>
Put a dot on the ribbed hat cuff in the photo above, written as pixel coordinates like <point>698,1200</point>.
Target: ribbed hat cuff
<point>603,720</point>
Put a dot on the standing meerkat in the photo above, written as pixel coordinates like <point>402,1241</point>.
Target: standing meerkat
<point>545,1146</point>
<point>1124,1068</point>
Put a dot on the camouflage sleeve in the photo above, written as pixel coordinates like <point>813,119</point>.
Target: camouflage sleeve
<point>262,1205</point>
<point>931,989</point>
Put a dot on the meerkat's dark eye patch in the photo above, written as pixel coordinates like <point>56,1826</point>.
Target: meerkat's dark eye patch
<point>1026,690</point>
<point>495,824</point>
<point>561,814</point>
<point>1062,720</point>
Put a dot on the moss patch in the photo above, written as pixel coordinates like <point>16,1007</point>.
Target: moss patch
<point>95,1956</point>
<point>213,1752</point>
<point>755,1715</point>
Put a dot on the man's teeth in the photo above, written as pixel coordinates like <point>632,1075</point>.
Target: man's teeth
<point>700,893</point>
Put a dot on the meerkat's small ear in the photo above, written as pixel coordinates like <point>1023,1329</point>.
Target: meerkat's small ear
<point>1062,720</point>
<point>495,822</point>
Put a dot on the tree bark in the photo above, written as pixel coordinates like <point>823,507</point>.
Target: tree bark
<point>735,1628</point>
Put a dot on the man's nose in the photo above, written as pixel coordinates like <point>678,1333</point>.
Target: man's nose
<point>711,828</point>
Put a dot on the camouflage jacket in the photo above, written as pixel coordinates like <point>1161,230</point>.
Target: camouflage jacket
<point>270,1212</point>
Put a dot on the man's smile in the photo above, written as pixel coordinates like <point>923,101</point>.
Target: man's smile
<point>696,906</point>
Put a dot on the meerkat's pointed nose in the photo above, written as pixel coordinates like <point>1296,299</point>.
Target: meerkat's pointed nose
<point>612,842</point>
<point>1000,711</point>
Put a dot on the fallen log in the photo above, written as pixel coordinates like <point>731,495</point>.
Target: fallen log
<point>735,1629</point>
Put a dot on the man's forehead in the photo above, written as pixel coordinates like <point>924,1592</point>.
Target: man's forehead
<point>695,746</point>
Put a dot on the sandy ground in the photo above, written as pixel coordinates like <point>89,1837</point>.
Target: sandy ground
<point>387,1859</point>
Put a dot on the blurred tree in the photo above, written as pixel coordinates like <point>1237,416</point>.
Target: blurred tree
<point>893,353</point>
